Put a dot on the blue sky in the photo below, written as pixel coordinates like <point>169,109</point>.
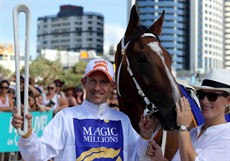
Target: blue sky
<point>114,11</point>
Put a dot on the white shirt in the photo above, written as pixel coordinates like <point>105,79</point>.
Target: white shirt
<point>84,132</point>
<point>55,100</point>
<point>6,104</point>
<point>212,145</point>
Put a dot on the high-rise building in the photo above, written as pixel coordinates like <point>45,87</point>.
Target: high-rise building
<point>227,34</point>
<point>192,31</point>
<point>175,33</point>
<point>207,26</point>
<point>71,29</point>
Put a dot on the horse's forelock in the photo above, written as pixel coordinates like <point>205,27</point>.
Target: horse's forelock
<point>133,38</point>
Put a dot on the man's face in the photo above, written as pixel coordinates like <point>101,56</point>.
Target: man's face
<point>98,87</point>
<point>58,87</point>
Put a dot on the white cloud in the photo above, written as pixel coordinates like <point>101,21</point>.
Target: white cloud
<point>112,35</point>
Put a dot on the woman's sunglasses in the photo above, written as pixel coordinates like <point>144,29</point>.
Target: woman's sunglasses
<point>50,88</point>
<point>4,87</point>
<point>211,96</point>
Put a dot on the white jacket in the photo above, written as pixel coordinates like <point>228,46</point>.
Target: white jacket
<point>84,132</point>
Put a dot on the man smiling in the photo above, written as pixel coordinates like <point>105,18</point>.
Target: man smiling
<point>89,131</point>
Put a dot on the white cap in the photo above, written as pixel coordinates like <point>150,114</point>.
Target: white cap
<point>102,65</point>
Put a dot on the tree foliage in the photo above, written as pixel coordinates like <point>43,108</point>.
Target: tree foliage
<point>46,71</point>
<point>4,73</point>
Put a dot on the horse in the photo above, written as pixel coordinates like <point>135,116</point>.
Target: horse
<point>145,83</point>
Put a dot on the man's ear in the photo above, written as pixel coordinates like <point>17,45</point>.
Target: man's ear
<point>83,81</point>
<point>114,85</point>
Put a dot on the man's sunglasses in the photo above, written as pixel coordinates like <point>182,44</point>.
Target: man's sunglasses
<point>4,87</point>
<point>211,96</point>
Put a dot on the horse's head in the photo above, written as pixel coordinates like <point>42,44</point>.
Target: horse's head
<point>144,71</point>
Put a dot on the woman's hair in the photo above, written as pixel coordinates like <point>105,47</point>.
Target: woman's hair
<point>5,81</point>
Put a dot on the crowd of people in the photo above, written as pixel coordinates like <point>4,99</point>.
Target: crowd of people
<point>55,96</point>
<point>87,131</point>
<point>87,123</point>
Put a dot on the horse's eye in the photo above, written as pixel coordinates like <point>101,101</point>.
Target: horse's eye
<point>141,57</point>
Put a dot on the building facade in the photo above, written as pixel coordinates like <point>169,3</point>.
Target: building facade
<point>71,29</point>
<point>207,28</point>
<point>227,34</point>
<point>175,33</point>
<point>196,33</point>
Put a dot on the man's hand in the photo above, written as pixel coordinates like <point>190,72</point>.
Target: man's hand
<point>17,121</point>
<point>147,126</point>
<point>154,152</point>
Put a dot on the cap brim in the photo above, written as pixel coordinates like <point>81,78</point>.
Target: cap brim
<point>211,88</point>
<point>107,74</point>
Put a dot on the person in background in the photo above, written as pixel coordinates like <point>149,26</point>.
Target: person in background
<point>33,103</point>
<point>6,102</point>
<point>112,101</point>
<point>12,94</point>
<point>69,95</point>
<point>211,140</point>
<point>79,94</point>
<point>90,131</point>
<point>59,85</point>
<point>52,100</point>
<point>6,105</point>
<point>31,87</point>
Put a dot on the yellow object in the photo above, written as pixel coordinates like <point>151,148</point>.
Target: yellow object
<point>84,55</point>
<point>27,135</point>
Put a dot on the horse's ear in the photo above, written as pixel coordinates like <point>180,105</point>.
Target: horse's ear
<point>133,21</point>
<point>156,27</point>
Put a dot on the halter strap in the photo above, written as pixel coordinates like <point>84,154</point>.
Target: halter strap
<point>150,107</point>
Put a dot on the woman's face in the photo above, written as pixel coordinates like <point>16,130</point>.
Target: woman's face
<point>51,88</point>
<point>114,94</point>
<point>212,108</point>
<point>4,88</point>
<point>11,93</point>
<point>31,101</point>
<point>79,92</point>
<point>69,92</point>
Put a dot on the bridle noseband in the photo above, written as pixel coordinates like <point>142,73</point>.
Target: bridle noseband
<point>150,107</point>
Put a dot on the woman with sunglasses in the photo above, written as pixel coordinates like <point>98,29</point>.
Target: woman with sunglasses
<point>6,103</point>
<point>52,100</point>
<point>210,141</point>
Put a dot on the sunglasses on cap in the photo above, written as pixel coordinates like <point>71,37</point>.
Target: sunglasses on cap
<point>210,95</point>
<point>58,85</point>
<point>4,87</point>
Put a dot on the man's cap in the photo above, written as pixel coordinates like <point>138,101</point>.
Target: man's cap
<point>102,65</point>
<point>217,79</point>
